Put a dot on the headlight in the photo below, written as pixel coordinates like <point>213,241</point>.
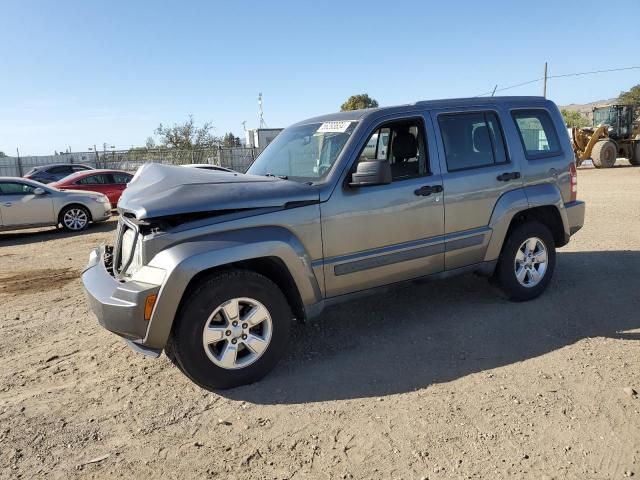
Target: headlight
<point>128,246</point>
<point>100,199</point>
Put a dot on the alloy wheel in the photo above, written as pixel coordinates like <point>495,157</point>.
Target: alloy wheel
<point>237,333</point>
<point>75,219</point>
<point>530,263</point>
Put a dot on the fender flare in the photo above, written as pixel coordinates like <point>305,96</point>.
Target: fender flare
<point>515,201</point>
<point>182,262</point>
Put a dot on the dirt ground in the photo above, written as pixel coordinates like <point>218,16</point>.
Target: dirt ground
<point>437,380</point>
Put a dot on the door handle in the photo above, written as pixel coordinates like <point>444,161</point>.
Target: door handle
<point>428,190</point>
<point>8,204</point>
<point>505,177</point>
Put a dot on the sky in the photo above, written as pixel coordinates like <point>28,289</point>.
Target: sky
<point>78,73</point>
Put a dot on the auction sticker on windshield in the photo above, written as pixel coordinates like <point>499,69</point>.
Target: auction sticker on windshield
<point>334,127</point>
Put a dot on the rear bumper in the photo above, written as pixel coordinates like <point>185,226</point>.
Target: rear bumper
<point>119,306</point>
<point>575,215</point>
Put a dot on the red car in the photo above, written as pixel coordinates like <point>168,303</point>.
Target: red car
<point>108,182</point>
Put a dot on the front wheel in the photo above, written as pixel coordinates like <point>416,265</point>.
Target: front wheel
<point>74,218</point>
<point>231,330</point>
<point>527,261</point>
<point>604,154</point>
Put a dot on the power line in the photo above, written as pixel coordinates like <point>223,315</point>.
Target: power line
<point>558,76</point>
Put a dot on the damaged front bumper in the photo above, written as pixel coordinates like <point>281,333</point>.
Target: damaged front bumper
<point>119,305</point>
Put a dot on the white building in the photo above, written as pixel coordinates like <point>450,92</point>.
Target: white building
<point>261,137</point>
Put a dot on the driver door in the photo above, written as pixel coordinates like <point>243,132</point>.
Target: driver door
<point>21,206</point>
<point>380,234</point>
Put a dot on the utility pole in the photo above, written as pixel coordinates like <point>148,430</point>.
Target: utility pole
<point>544,93</point>
<point>19,162</point>
<point>97,156</point>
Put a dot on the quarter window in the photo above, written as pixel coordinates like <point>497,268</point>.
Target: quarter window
<point>472,140</point>
<point>538,135</point>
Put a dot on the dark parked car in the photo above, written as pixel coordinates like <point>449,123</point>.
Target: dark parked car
<point>54,172</point>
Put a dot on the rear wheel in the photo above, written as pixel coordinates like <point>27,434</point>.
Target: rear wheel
<point>527,261</point>
<point>635,154</point>
<point>74,218</point>
<point>232,330</point>
<point>604,154</point>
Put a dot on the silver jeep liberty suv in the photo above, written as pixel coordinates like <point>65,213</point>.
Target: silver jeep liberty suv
<point>212,267</point>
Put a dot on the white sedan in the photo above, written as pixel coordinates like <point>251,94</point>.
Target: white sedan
<point>27,204</point>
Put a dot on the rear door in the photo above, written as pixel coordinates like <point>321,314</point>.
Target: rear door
<point>100,182</point>
<point>20,206</point>
<point>120,181</point>
<point>58,173</point>
<point>478,169</point>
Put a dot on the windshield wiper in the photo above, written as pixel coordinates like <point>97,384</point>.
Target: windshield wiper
<point>282,177</point>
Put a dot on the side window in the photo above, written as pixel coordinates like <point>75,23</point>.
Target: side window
<point>121,178</point>
<point>94,180</point>
<point>16,189</point>
<point>537,132</point>
<point>79,168</point>
<point>402,144</point>
<point>472,140</point>
<point>59,169</point>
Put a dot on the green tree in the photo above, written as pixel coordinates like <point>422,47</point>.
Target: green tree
<point>574,119</point>
<point>150,143</point>
<point>230,140</point>
<point>187,135</point>
<point>2,154</point>
<point>631,97</point>
<point>357,102</point>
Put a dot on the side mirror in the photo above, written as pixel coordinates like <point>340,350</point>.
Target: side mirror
<point>39,191</point>
<point>375,172</point>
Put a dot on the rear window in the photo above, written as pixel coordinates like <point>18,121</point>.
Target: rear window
<point>537,133</point>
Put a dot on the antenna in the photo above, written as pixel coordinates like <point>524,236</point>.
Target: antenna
<point>244,125</point>
<point>261,123</point>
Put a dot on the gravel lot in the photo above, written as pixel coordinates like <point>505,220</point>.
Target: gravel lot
<point>437,380</point>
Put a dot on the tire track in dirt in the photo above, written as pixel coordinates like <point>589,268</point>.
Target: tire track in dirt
<point>35,281</point>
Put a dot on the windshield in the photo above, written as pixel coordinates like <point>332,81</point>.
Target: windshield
<point>306,152</point>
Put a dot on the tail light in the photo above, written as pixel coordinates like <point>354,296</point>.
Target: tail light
<point>573,174</point>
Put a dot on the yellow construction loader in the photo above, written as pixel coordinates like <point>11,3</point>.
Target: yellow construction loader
<point>615,133</point>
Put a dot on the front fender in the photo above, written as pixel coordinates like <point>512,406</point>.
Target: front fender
<point>184,261</point>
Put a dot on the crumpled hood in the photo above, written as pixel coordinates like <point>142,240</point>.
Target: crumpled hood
<point>161,190</point>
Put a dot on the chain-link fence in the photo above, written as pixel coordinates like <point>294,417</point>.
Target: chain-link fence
<point>235,158</point>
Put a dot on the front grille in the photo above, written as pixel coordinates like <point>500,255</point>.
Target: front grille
<point>125,248</point>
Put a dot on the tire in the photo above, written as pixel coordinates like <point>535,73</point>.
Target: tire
<point>635,154</point>
<point>521,239</point>
<point>211,360</point>
<point>74,218</point>
<point>604,154</point>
